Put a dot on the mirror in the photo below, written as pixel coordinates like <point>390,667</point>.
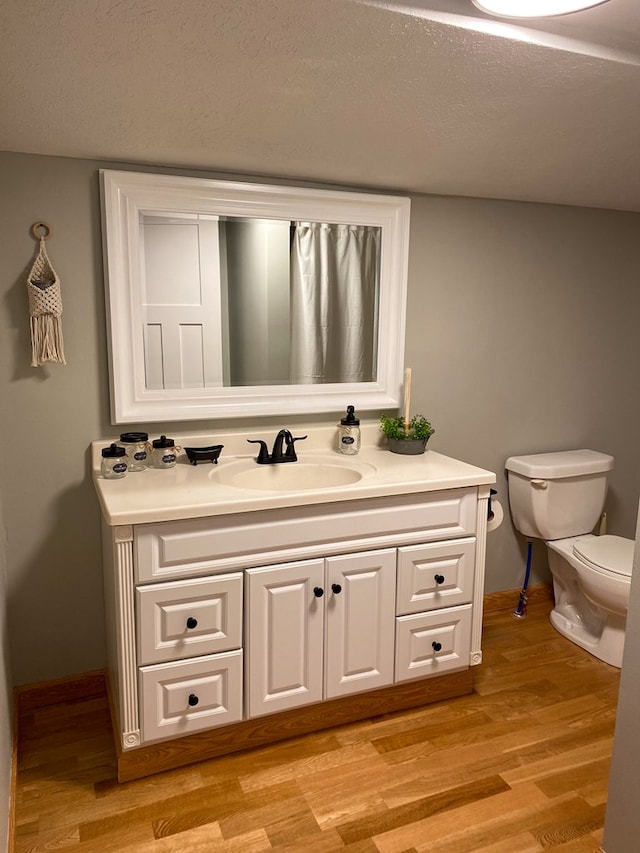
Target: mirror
<point>230,299</point>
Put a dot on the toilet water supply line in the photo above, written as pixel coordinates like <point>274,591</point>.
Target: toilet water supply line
<point>521,610</point>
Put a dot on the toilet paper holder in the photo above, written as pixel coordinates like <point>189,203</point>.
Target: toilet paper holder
<point>495,513</point>
<point>490,512</point>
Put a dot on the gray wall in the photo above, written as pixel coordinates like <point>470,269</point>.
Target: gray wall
<point>6,700</point>
<point>47,418</point>
<point>520,335</point>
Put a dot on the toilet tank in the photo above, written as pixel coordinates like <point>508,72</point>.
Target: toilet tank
<point>557,495</point>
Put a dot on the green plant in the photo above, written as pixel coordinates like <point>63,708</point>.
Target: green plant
<point>419,427</point>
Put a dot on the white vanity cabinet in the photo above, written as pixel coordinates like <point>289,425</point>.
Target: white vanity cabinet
<point>234,624</point>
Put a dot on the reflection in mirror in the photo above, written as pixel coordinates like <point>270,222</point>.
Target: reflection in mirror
<point>181,300</point>
<point>233,298</point>
<point>259,301</point>
<point>334,302</point>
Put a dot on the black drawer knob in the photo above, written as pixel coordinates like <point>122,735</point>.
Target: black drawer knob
<point>191,622</point>
<point>436,646</point>
<point>193,700</point>
<point>438,579</point>
<point>318,591</point>
<point>336,588</point>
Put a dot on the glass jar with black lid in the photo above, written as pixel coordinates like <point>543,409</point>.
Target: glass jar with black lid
<point>136,445</point>
<point>114,462</point>
<point>164,452</point>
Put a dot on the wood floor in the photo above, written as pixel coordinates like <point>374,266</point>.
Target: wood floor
<point>521,765</point>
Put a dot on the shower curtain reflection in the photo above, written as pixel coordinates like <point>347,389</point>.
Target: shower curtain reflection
<point>334,302</point>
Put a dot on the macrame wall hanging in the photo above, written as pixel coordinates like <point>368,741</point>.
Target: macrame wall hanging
<point>45,304</point>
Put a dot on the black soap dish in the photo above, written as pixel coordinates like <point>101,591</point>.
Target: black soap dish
<point>204,454</point>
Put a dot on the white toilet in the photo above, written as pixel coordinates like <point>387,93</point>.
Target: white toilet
<point>559,497</point>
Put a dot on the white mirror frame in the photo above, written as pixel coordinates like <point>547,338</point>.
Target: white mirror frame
<point>125,194</point>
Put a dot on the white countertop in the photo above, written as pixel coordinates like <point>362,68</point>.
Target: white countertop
<point>195,491</point>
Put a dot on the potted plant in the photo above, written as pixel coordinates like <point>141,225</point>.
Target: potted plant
<point>411,440</point>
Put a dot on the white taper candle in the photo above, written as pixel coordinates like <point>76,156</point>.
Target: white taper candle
<point>407,396</point>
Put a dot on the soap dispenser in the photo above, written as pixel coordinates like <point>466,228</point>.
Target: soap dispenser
<point>349,433</point>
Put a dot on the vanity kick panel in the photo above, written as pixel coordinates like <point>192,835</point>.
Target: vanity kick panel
<point>208,545</point>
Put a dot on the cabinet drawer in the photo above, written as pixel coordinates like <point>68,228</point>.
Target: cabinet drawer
<point>193,617</point>
<point>433,643</point>
<point>436,575</point>
<point>185,697</point>
<point>181,549</point>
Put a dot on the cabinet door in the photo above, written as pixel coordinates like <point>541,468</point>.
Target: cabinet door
<point>284,636</point>
<point>360,606</point>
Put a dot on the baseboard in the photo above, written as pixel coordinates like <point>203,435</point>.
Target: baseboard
<point>13,779</point>
<point>30,697</point>
<point>507,599</point>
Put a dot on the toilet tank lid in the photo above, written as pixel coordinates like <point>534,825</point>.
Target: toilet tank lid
<point>566,463</point>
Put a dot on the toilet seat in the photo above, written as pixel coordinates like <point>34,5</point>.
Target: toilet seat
<point>612,554</point>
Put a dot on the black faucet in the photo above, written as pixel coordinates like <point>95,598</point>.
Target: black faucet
<point>278,455</point>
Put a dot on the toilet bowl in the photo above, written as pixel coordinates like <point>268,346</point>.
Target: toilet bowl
<point>558,497</point>
<point>591,583</point>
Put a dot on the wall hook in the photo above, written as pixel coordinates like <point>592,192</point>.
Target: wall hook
<point>41,230</point>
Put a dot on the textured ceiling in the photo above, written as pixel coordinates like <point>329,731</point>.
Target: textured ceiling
<point>417,96</point>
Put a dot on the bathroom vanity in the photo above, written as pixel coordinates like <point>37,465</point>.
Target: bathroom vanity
<point>249,603</point>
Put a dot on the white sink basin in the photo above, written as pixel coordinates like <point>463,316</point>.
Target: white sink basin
<point>290,476</point>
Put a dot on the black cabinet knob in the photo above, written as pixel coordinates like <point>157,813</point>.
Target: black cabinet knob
<point>336,588</point>
<point>318,591</point>
<point>436,646</point>
<point>193,700</point>
<point>191,622</point>
<point>438,579</point>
